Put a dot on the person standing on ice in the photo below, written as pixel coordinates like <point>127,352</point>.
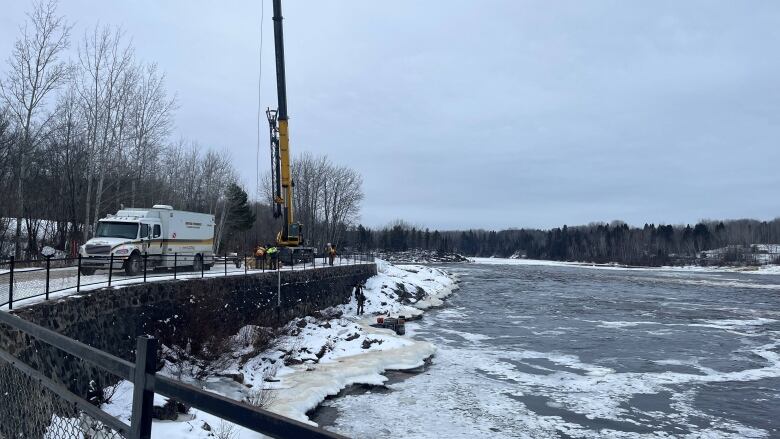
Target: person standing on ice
<point>360,297</point>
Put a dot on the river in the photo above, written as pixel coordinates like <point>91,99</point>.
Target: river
<point>566,351</point>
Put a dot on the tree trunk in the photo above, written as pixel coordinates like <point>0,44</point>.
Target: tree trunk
<point>85,232</point>
<point>98,196</point>
<point>19,214</point>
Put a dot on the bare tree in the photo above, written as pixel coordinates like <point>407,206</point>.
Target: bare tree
<point>102,143</point>
<point>327,197</point>
<point>68,155</point>
<point>105,61</point>
<point>8,139</point>
<point>35,71</point>
<point>151,120</point>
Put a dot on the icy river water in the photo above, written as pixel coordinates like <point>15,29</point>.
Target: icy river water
<point>564,351</point>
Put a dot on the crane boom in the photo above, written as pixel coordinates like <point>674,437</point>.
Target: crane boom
<point>291,235</point>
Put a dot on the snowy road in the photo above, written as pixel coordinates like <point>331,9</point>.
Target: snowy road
<point>29,285</point>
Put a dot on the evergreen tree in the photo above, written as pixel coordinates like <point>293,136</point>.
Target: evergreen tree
<point>240,217</point>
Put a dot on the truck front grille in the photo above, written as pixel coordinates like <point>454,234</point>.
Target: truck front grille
<point>98,249</point>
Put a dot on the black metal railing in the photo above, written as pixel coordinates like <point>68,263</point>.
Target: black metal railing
<point>27,279</point>
<point>36,405</point>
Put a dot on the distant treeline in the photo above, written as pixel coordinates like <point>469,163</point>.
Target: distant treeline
<point>650,245</point>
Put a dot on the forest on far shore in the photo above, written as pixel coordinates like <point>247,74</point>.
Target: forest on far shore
<point>649,245</point>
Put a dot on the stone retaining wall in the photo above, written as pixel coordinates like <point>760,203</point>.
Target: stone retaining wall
<point>176,312</point>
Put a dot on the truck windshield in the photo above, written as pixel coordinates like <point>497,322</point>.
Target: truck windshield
<point>117,230</point>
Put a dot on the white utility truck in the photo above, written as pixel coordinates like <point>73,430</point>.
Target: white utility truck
<point>163,236</point>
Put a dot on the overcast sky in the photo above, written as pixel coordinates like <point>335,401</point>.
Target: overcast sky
<point>486,113</point>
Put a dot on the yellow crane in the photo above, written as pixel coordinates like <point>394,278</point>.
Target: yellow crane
<point>291,235</point>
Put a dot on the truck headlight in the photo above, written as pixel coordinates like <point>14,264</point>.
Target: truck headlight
<point>122,251</point>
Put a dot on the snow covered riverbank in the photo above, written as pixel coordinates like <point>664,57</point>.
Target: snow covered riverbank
<point>310,359</point>
<point>345,351</point>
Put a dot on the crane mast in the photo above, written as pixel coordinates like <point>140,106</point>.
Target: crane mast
<point>290,235</point>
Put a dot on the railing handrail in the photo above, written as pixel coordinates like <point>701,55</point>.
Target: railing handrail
<point>237,412</point>
<point>115,365</point>
<point>178,259</point>
<point>93,411</point>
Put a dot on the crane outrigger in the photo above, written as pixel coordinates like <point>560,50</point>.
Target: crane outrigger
<point>290,238</point>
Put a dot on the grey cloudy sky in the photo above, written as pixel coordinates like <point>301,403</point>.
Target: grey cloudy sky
<point>487,113</point>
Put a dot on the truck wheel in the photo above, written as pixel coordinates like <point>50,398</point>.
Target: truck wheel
<point>197,264</point>
<point>133,265</point>
<point>87,271</point>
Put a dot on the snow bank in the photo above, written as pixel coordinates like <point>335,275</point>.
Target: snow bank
<point>196,424</point>
<point>304,388</point>
<point>396,290</point>
<point>318,357</point>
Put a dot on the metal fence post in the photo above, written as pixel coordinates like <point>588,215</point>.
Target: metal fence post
<point>175,263</point>
<point>78,275</point>
<point>202,264</point>
<point>48,267</point>
<point>11,285</point>
<point>110,268</point>
<point>225,263</point>
<point>245,267</point>
<point>143,398</point>
<point>146,256</point>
